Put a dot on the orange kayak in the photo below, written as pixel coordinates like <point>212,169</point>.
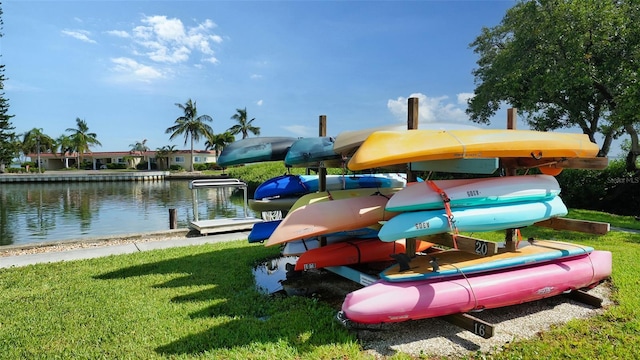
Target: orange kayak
<point>356,251</point>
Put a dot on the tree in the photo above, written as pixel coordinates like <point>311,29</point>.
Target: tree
<point>163,153</point>
<point>563,63</point>
<point>137,150</point>
<point>64,145</point>
<point>82,139</point>
<point>191,125</point>
<point>35,141</point>
<point>7,136</point>
<point>243,126</point>
<point>218,142</point>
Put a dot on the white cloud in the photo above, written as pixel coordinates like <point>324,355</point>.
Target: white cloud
<point>82,35</point>
<point>259,102</point>
<point>255,76</point>
<point>167,40</point>
<point>119,33</point>
<point>130,69</point>
<point>464,97</point>
<point>299,130</point>
<point>430,109</point>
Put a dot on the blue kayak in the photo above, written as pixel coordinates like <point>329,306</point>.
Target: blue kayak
<point>296,185</point>
<point>471,219</point>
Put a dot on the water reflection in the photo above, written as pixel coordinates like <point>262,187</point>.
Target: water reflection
<point>41,212</point>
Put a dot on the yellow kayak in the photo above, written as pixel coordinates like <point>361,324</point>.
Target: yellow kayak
<point>384,148</point>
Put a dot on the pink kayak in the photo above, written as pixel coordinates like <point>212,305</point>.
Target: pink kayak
<point>400,301</point>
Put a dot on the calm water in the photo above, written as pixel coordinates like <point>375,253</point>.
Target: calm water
<point>41,212</point>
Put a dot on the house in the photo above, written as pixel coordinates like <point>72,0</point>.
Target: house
<point>130,159</point>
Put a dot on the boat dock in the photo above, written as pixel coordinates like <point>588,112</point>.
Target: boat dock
<point>211,226</point>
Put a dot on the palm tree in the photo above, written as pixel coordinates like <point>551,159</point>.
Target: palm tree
<point>35,141</point>
<point>163,153</point>
<point>64,144</point>
<point>218,142</point>
<point>243,125</point>
<point>191,125</point>
<point>137,150</point>
<point>82,139</point>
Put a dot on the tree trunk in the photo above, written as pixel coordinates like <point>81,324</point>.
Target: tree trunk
<point>632,156</point>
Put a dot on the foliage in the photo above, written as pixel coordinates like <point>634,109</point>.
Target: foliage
<point>82,139</point>
<point>191,125</point>
<point>7,136</point>
<point>563,63</point>
<point>116,166</point>
<point>612,190</point>
<point>219,141</point>
<point>243,126</point>
<point>176,167</point>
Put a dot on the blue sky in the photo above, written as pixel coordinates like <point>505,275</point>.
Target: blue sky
<point>122,65</point>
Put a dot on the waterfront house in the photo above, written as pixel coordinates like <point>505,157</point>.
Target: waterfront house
<point>130,159</point>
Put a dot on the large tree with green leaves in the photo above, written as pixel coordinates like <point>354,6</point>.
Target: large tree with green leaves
<point>192,126</point>
<point>35,141</point>
<point>564,63</point>
<point>7,136</point>
<point>82,139</point>
<point>219,141</point>
<point>243,126</point>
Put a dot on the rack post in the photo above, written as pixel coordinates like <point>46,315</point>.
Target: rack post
<point>412,124</point>
<point>510,234</point>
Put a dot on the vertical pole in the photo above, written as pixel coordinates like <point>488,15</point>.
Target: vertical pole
<point>322,171</point>
<point>173,219</point>
<point>412,124</point>
<point>510,234</point>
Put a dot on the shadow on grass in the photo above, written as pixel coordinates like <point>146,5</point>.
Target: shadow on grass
<point>247,317</point>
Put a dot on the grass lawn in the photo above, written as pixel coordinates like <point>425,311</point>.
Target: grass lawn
<point>200,302</point>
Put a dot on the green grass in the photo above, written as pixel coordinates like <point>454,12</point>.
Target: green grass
<point>200,302</point>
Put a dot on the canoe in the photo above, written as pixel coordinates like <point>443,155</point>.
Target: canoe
<point>341,194</point>
<point>471,219</point>
<point>273,204</point>
<point>310,152</point>
<point>347,142</point>
<point>382,148</point>
<point>453,262</point>
<point>329,217</point>
<point>478,192</point>
<point>251,150</point>
<point>385,301</point>
<point>296,185</point>
<point>298,247</point>
<point>263,230</point>
<point>353,251</point>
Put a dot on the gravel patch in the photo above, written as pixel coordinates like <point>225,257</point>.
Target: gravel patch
<point>436,337</point>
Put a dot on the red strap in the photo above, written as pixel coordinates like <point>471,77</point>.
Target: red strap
<point>447,208</point>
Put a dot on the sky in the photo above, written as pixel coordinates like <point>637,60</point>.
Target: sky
<point>122,66</point>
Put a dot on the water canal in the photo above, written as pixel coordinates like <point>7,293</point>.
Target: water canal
<point>43,212</point>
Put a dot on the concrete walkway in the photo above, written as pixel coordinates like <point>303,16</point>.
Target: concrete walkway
<point>106,250</point>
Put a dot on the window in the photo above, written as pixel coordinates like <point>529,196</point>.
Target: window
<point>178,159</point>
<point>197,159</point>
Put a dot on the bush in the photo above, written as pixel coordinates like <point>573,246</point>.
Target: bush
<point>612,190</point>
<point>116,166</point>
<point>200,167</point>
<point>176,168</point>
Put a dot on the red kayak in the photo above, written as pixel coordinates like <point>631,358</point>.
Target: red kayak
<point>356,251</point>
